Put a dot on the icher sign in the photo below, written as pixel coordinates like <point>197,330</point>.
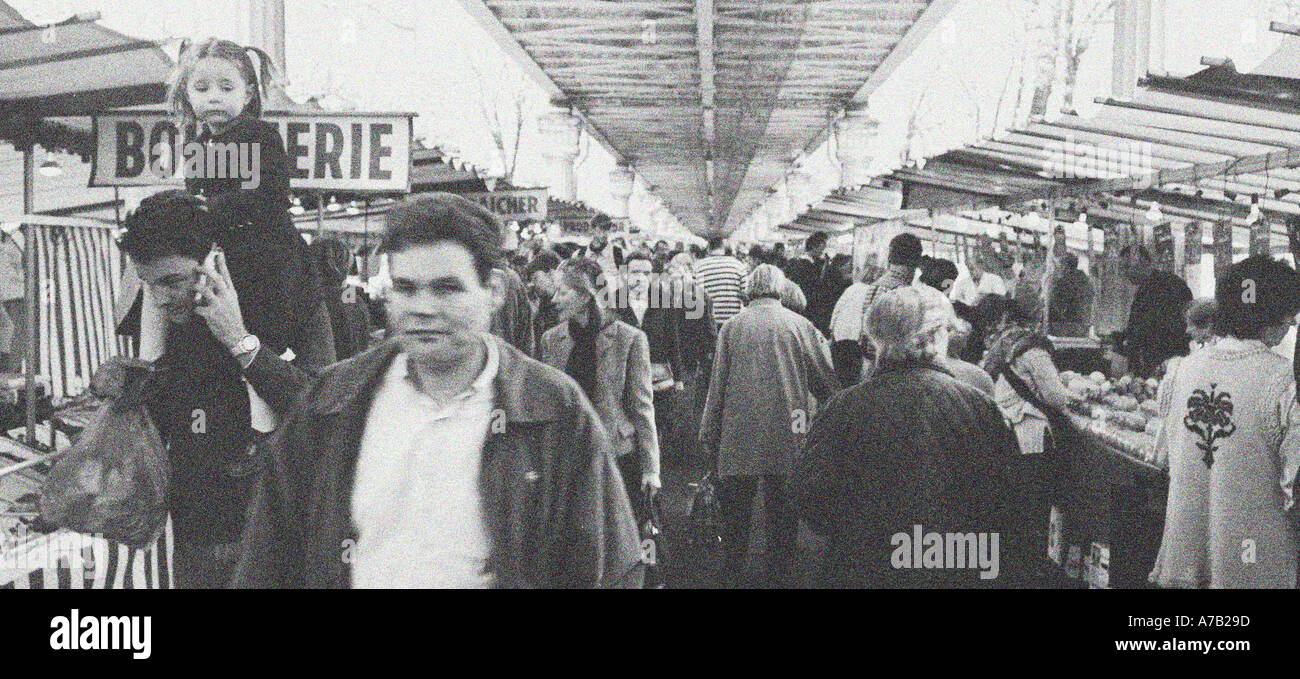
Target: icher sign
<point>516,205</point>
<point>327,151</point>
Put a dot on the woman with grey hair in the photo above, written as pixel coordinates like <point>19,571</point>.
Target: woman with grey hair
<point>770,365</point>
<point>792,297</point>
<point>908,450</point>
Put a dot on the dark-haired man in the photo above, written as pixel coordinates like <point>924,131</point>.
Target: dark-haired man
<point>1069,302</point>
<point>226,377</point>
<point>848,319</point>
<point>539,275</point>
<point>445,457</point>
<point>1155,331</point>
<point>808,268</point>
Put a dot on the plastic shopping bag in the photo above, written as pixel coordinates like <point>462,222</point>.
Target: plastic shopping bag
<point>113,482</point>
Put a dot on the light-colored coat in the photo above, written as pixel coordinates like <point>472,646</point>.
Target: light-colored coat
<point>770,363</point>
<point>1231,430</point>
<point>625,400</point>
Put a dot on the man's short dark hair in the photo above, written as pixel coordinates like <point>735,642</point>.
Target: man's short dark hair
<point>757,254</point>
<point>435,217</point>
<point>936,271</point>
<point>715,242</point>
<point>1254,294</point>
<point>639,253</point>
<point>544,260</point>
<point>166,224</point>
<point>1069,261</point>
<point>1139,249</point>
<point>817,240</point>
<point>905,249</point>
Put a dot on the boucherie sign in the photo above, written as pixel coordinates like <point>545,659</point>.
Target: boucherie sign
<point>516,205</point>
<point>327,151</point>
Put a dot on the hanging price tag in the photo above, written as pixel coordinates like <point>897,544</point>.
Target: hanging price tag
<point>1192,245</point>
<point>1260,237</point>
<point>1162,241</point>
<point>1222,248</point>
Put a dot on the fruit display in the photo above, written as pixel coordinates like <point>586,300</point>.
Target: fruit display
<point>1131,443</point>
<point>1121,413</point>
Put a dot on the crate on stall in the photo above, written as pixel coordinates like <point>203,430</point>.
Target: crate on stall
<point>1074,562</point>
<point>1055,536</point>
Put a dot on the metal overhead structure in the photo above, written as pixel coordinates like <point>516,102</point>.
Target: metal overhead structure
<point>1215,146</point>
<point>710,101</point>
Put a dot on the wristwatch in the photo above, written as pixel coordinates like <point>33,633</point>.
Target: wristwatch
<point>246,344</point>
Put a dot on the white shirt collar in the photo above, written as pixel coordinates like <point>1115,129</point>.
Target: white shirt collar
<point>1228,343</point>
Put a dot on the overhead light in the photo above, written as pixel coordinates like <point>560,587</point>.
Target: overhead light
<point>1083,219</point>
<point>352,208</point>
<point>333,205</point>
<point>1254,215</point>
<point>296,208</point>
<point>1154,214</point>
<point>50,168</point>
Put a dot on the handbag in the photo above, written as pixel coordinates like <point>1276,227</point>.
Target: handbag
<point>703,513</point>
<point>652,544</point>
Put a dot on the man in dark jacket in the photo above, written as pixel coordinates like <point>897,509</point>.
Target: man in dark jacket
<point>807,269</point>
<point>513,320</point>
<point>539,275</point>
<point>445,457</point>
<point>225,377</point>
<point>1156,331</point>
<point>1069,302</point>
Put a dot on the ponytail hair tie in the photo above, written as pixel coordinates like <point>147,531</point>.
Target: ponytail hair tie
<point>265,69</point>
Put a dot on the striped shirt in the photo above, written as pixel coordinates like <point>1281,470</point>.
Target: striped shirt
<point>722,278</point>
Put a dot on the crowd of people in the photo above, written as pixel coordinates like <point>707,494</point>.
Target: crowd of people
<point>504,418</point>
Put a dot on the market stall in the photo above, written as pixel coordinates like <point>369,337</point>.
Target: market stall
<point>1201,171</point>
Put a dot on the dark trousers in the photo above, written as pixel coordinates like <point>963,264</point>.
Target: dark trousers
<point>667,424</point>
<point>201,565</point>
<point>846,357</point>
<point>736,494</point>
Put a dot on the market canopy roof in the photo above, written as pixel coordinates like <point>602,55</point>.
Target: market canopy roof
<point>709,100</point>
<point>846,209</point>
<point>74,67</point>
<point>1204,147</point>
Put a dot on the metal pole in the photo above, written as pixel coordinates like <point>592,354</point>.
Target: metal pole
<point>29,293</point>
<point>320,215</point>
